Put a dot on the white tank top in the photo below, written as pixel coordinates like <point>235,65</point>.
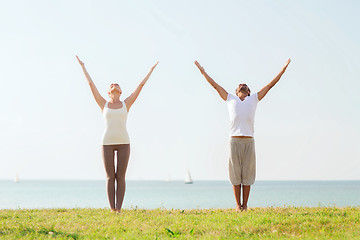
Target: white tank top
<point>115,125</point>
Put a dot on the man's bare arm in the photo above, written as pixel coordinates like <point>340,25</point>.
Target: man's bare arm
<point>222,92</point>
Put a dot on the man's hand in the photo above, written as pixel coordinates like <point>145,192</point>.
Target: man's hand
<point>261,94</point>
<point>287,64</point>
<point>202,70</point>
<point>223,94</point>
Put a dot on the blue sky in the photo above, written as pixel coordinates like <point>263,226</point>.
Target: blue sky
<point>305,128</point>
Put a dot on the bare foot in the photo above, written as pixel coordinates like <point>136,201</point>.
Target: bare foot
<point>118,211</point>
<point>113,210</point>
<point>238,208</point>
<point>244,208</point>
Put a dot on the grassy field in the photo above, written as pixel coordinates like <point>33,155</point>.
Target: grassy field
<point>257,223</point>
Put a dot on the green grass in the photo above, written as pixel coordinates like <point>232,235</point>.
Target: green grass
<point>257,223</point>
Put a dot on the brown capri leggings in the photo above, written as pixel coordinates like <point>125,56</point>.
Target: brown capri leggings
<point>122,156</point>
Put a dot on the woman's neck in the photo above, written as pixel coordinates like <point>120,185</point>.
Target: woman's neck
<point>114,100</point>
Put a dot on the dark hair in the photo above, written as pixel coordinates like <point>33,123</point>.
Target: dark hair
<point>240,85</point>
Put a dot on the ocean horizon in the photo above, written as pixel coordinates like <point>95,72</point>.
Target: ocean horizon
<point>203,194</point>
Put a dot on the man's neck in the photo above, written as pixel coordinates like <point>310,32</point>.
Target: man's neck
<point>242,96</point>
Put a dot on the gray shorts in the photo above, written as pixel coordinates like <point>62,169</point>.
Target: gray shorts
<point>242,161</point>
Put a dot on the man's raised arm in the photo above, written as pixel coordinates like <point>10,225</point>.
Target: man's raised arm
<point>265,90</point>
<point>223,94</point>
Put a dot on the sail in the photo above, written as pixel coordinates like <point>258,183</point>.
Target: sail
<point>168,179</point>
<point>16,179</point>
<point>188,178</point>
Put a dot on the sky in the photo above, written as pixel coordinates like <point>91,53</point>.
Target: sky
<point>306,128</point>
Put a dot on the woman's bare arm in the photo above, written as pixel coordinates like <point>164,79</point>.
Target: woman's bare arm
<point>131,99</point>
<point>98,98</point>
<point>222,92</point>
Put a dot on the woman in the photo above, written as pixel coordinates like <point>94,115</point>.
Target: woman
<point>115,138</point>
<point>242,107</point>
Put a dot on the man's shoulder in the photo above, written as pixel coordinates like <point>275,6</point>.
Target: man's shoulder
<point>254,97</point>
<point>230,97</point>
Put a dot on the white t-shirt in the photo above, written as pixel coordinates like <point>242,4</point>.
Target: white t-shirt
<point>242,114</point>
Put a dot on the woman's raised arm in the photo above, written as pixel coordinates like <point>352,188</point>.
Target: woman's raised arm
<point>98,98</point>
<point>131,99</point>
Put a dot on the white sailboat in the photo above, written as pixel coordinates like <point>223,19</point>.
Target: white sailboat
<point>188,179</point>
<point>168,179</point>
<point>16,179</point>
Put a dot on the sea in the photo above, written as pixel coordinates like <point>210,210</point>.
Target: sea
<point>34,194</point>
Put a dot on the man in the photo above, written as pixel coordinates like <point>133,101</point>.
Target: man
<point>242,163</point>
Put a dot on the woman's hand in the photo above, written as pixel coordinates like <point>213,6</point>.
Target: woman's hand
<point>131,99</point>
<point>80,62</point>
<point>153,67</point>
<point>148,75</point>
<point>98,98</point>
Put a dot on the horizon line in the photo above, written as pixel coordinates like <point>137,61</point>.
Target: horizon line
<point>173,180</point>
